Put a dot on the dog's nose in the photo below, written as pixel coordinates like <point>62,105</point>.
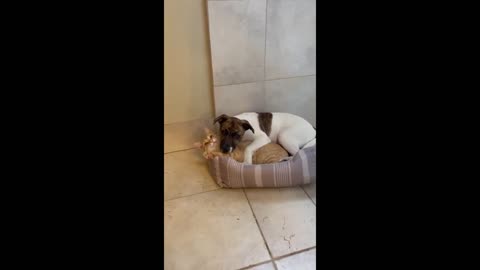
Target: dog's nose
<point>225,148</point>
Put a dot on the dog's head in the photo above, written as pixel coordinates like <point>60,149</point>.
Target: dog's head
<point>231,131</point>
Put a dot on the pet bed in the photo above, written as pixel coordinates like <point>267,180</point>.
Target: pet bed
<point>299,170</point>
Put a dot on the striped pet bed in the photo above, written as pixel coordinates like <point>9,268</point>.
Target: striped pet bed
<point>299,170</point>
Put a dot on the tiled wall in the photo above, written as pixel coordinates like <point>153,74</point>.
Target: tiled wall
<point>263,56</point>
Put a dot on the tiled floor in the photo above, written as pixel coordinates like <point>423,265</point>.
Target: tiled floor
<point>210,228</point>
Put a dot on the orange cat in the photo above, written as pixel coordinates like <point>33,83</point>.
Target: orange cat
<point>269,153</point>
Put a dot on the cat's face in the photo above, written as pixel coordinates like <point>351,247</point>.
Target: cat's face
<point>210,141</point>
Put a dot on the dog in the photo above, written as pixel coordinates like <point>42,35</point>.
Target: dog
<point>290,131</point>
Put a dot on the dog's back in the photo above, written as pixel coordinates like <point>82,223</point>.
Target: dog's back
<point>279,122</point>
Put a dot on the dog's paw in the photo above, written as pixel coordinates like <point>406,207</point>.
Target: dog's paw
<point>248,160</point>
<point>286,159</point>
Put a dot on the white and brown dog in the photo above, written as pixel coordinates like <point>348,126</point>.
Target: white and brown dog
<point>290,131</point>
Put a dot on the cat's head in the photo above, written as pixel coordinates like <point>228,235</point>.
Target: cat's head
<point>210,141</point>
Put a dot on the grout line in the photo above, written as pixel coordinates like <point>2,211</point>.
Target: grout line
<point>275,79</point>
<point>265,48</point>
<point>293,77</point>
<point>254,265</point>
<point>210,60</point>
<point>188,121</point>
<point>260,229</point>
<point>190,195</point>
<point>277,258</point>
<point>294,253</point>
<point>221,85</point>
<point>309,195</point>
<point>182,150</point>
<point>265,59</point>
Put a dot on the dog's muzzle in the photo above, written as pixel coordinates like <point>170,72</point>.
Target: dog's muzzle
<point>226,148</point>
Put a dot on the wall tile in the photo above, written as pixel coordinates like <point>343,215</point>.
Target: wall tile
<point>294,95</point>
<point>290,44</point>
<point>239,98</point>
<point>237,40</point>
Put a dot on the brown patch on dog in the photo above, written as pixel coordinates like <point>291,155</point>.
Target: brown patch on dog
<point>265,122</point>
<point>222,118</point>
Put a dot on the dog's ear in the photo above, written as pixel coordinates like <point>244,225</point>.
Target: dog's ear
<point>246,126</point>
<point>222,118</point>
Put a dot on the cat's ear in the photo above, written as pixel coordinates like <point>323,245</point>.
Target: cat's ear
<point>197,145</point>
<point>207,131</point>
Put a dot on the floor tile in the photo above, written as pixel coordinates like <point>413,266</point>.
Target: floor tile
<point>186,173</point>
<point>301,261</point>
<point>181,136</point>
<point>286,217</point>
<point>266,266</point>
<point>213,230</point>
<point>312,191</point>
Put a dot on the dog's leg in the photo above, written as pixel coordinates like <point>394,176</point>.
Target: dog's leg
<point>311,143</point>
<point>258,142</point>
<point>289,142</point>
<point>295,137</point>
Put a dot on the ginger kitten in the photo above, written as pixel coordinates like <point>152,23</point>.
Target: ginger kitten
<point>270,153</point>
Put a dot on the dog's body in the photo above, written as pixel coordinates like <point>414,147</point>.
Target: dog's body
<point>288,130</point>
